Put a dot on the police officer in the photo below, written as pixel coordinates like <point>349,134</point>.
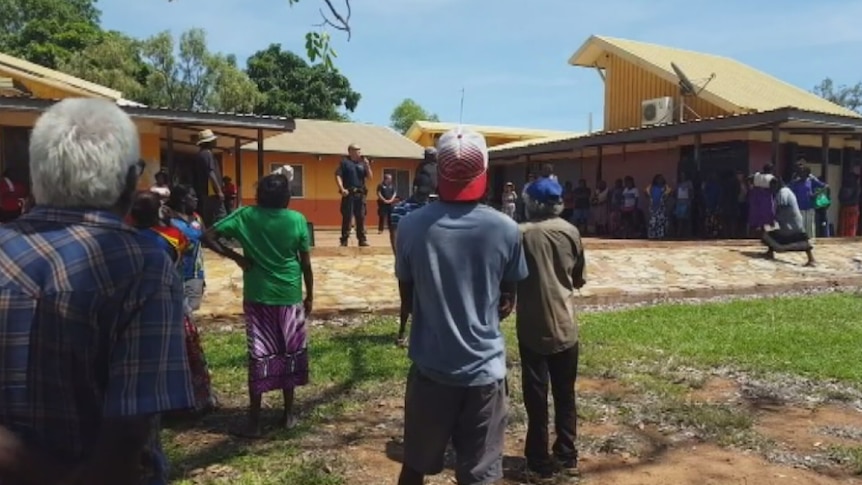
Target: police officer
<point>350,177</point>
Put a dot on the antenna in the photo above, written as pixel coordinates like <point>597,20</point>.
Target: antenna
<point>688,89</point>
<point>461,112</point>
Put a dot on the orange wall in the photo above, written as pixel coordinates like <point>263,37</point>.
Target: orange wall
<point>320,202</point>
<point>627,86</point>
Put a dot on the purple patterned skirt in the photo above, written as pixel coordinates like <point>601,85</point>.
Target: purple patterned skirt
<point>761,208</point>
<point>277,347</point>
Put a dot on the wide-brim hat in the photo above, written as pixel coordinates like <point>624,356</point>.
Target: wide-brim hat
<point>205,136</point>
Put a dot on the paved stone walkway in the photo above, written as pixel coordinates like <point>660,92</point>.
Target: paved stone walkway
<point>365,282</point>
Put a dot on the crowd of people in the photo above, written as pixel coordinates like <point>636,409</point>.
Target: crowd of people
<point>721,206</point>
<point>99,284</point>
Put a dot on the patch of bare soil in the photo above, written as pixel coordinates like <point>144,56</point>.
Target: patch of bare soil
<point>715,390</point>
<point>697,465</point>
<point>812,430</point>
<point>613,452</point>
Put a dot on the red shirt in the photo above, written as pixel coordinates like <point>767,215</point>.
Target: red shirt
<point>229,190</point>
<point>12,195</point>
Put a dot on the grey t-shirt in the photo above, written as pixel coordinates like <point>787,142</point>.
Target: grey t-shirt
<point>787,213</point>
<point>456,256</point>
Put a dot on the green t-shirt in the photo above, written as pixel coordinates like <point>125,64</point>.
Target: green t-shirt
<point>272,240</point>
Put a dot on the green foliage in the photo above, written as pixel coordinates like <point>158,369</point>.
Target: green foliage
<point>48,32</point>
<point>179,73</point>
<point>292,87</point>
<point>848,96</point>
<point>408,112</point>
<point>115,62</point>
<point>189,76</point>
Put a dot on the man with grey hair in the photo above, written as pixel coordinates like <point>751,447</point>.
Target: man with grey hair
<point>548,329</point>
<point>90,313</point>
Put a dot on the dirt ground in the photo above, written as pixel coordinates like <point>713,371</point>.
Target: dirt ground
<point>615,452</point>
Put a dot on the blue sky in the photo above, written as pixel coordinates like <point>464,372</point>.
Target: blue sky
<point>511,56</point>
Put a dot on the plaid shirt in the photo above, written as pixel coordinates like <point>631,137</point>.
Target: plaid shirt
<point>91,326</point>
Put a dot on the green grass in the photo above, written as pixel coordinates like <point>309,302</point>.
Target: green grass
<point>815,337</point>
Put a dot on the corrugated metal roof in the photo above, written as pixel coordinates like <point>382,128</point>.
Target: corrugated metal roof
<point>53,77</point>
<point>736,87</point>
<point>420,127</point>
<point>535,142</point>
<point>788,117</point>
<point>319,137</point>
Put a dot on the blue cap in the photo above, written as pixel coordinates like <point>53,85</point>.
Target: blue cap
<point>545,190</point>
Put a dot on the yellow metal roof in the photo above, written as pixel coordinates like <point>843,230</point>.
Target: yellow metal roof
<point>420,127</point>
<point>37,72</point>
<point>535,141</point>
<point>319,137</point>
<point>737,87</point>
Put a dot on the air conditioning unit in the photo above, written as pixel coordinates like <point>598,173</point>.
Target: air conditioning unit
<point>657,111</point>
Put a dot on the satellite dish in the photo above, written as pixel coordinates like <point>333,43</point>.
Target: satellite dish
<point>686,86</point>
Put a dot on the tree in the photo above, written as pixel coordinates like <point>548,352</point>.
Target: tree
<point>195,78</point>
<point>406,113</point>
<point>115,62</point>
<point>291,87</point>
<point>317,44</point>
<point>848,96</point>
<point>47,32</point>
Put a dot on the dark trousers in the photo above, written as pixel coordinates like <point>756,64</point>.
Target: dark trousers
<point>561,371</point>
<point>353,206</point>
<point>215,210</point>
<point>383,213</point>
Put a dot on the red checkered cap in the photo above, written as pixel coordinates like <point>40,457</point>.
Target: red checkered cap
<point>462,165</point>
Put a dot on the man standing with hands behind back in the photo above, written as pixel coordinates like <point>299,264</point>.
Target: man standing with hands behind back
<point>350,178</point>
<point>211,171</point>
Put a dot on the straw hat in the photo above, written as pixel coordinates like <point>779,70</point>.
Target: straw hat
<point>205,136</point>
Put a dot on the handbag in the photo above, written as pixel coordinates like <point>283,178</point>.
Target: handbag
<point>821,199</point>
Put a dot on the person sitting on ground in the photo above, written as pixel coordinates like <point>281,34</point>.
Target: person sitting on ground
<point>95,309</point>
<point>275,261</point>
<point>458,263</point>
<point>548,331</point>
<point>790,235</point>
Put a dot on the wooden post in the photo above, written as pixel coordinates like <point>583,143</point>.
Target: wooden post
<point>171,162</point>
<point>259,154</point>
<point>697,143</point>
<point>237,168</point>
<point>824,157</point>
<point>599,168</point>
<point>776,147</point>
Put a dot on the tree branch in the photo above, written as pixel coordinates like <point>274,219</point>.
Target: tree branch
<point>341,22</point>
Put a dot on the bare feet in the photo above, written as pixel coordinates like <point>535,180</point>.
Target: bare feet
<point>289,421</point>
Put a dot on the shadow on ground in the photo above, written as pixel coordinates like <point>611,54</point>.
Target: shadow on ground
<point>218,443</point>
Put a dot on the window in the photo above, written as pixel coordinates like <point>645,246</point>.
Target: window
<point>297,188</point>
<point>401,180</point>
